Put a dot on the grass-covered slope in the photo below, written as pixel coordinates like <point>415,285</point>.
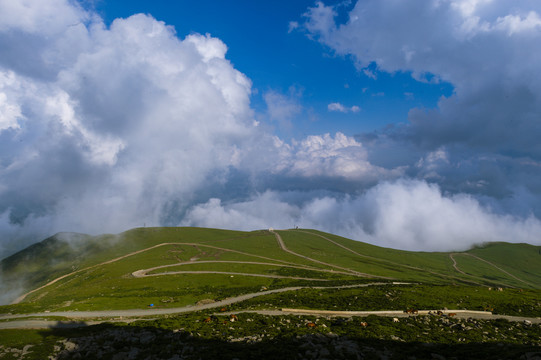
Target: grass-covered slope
<point>173,267</point>
<point>521,261</point>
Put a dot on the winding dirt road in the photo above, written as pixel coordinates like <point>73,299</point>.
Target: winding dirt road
<point>350,271</point>
<point>93,317</point>
<point>455,266</point>
<point>22,297</point>
<point>499,268</point>
<point>144,272</point>
<point>154,312</point>
<point>85,318</point>
<point>392,262</point>
<point>234,274</point>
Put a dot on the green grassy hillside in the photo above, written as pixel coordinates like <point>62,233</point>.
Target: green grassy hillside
<point>178,267</point>
<point>172,267</point>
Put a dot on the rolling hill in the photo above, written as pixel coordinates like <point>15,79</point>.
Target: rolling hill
<point>198,293</point>
<point>172,267</point>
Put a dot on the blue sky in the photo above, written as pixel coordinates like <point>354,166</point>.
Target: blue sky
<point>407,124</point>
<point>262,46</point>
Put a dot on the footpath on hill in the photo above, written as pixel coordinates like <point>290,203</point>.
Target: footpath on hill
<point>79,319</point>
<point>155,311</point>
<point>83,318</point>
<point>86,318</point>
<point>143,272</point>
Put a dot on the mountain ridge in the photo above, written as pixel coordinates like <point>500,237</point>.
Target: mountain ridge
<point>292,257</point>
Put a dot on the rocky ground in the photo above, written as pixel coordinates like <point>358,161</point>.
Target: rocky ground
<point>253,336</point>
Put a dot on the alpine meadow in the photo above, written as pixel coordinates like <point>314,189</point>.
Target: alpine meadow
<point>239,294</point>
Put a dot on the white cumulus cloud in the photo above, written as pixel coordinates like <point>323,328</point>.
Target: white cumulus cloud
<point>405,214</point>
<point>335,106</point>
<point>122,131</point>
<point>104,128</point>
<point>488,50</point>
<point>327,156</point>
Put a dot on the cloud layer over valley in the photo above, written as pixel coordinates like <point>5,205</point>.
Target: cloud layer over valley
<point>108,127</point>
